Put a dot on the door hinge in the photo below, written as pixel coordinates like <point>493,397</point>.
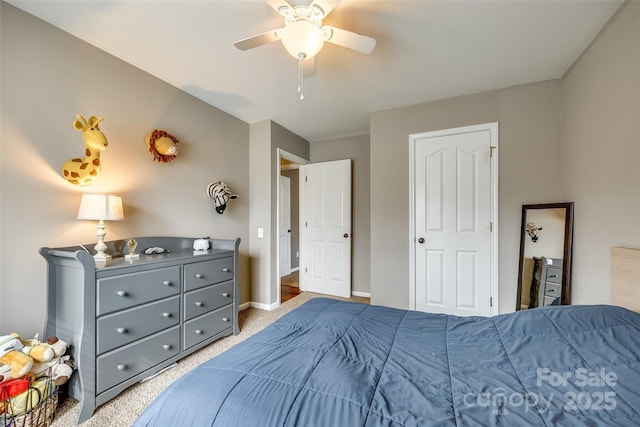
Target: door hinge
<point>305,270</point>
<point>491,227</point>
<point>490,301</point>
<point>491,148</point>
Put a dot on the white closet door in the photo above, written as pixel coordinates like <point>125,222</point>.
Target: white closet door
<point>453,222</point>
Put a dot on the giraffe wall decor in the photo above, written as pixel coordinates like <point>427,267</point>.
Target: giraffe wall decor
<point>84,171</point>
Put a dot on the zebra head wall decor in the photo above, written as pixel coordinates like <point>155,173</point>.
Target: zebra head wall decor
<point>532,231</point>
<point>219,192</point>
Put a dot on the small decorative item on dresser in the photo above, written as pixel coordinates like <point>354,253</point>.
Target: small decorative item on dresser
<point>201,244</point>
<point>131,249</point>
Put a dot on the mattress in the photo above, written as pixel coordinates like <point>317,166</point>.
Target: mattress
<point>336,363</point>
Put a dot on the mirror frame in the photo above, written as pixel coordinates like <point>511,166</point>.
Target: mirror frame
<point>565,297</point>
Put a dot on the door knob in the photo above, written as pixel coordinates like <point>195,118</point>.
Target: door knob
<point>421,240</point>
<point>345,235</point>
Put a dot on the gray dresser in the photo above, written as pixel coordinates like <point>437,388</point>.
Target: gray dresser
<point>127,320</point>
<point>550,291</point>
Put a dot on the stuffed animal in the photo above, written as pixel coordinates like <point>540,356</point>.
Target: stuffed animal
<point>11,355</point>
<point>38,351</point>
<point>61,371</point>
<point>58,346</point>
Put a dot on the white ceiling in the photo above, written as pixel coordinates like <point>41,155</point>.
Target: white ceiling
<point>426,50</point>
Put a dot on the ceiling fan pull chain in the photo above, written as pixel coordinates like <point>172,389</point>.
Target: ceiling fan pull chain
<point>300,84</point>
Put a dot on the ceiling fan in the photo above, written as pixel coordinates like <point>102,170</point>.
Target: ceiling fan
<point>303,34</point>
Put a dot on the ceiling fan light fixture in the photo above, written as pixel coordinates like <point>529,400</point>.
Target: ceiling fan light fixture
<point>302,39</point>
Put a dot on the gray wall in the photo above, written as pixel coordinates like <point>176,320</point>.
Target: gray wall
<point>48,77</point>
<point>601,151</point>
<point>266,137</point>
<point>355,148</point>
<point>575,139</point>
<point>529,172</point>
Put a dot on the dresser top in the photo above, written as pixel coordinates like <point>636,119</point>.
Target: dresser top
<point>180,249</point>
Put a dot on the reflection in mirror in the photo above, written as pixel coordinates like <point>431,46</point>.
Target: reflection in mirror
<point>545,255</point>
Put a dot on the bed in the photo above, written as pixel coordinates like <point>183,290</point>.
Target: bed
<point>337,363</point>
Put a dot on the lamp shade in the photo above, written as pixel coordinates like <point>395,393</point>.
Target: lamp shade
<point>101,207</point>
<point>302,39</point>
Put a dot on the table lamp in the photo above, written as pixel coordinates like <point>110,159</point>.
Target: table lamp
<point>101,207</point>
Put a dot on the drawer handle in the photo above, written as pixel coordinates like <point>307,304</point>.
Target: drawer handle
<point>166,347</point>
<point>225,294</point>
<point>167,283</point>
<point>166,314</point>
<point>121,293</point>
<point>198,303</point>
<point>198,331</point>
<point>198,276</point>
<point>122,330</point>
<point>226,270</point>
<point>225,319</point>
<point>121,367</point>
<point>553,275</point>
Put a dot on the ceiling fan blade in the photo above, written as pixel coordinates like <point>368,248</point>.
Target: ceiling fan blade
<point>280,6</point>
<point>257,40</point>
<point>326,5</point>
<point>349,39</point>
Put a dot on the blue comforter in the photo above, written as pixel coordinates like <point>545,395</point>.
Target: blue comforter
<point>333,363</point>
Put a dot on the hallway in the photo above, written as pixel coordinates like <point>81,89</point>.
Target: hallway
<point>289,287</point>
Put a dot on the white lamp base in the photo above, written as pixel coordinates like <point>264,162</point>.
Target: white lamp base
<point>100,247</point>
<point>101,257</point>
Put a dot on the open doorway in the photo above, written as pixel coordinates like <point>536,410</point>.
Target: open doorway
<point>289,225</point>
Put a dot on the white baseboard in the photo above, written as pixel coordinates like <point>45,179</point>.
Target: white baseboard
<point>244,306</point>
<point>361,294</point>
<point>263,306</point>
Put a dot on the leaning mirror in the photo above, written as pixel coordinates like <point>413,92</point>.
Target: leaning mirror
<point>544,271</point>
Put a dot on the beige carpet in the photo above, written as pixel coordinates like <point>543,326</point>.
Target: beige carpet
<point>124,409</point>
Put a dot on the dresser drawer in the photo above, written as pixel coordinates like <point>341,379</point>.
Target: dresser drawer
<point>204,273</point>
<point>207,299</point>
<point>119,292</point>
<point>117,329</point>
<point>552,289</point>
<point>204,327</point>
<point>554,275</point>
<point>120,365</point>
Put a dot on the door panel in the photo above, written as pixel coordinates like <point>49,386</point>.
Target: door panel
<point>326,255</point>
<point>453,214</point>
<point>284,227</point>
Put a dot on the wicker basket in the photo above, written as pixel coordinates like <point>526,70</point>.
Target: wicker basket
<point>40,414</point>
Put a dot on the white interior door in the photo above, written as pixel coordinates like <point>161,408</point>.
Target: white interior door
<point>454,202</point>
<point>284,227</point>
<point>325,258</point>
